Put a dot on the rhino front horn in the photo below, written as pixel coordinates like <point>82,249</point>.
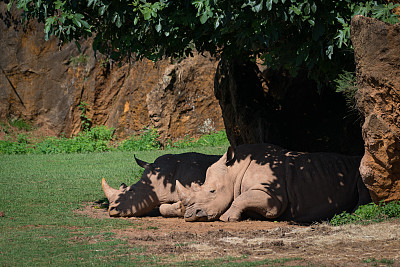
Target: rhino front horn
<point>183,192</point>
<point>108,190</point>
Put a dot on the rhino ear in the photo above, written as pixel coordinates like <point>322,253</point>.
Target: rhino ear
<point>195,186</point>
<point>230,155</point>
<point>142,163</point>
<point>123,187</point>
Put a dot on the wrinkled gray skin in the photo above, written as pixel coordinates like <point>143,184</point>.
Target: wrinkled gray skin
<point>264,180</point>
<point>157,185</point>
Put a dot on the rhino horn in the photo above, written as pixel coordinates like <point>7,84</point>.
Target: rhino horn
<point>142,163</point>
<point>108,190</point>
<point>183,192</point>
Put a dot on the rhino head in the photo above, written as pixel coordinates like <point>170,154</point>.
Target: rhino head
<point>135,200</point>
<point>210,200</point>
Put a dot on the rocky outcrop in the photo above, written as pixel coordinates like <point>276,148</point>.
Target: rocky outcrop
<point>44,83</point>
<point>377,53</point>
<point>183,97</point>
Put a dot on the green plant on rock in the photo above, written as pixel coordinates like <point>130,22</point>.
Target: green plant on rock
<point>86,122</point>
<point>346,84</point>
<point>80,60</point>
<point>20,124</point>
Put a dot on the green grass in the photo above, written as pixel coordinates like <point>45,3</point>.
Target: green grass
<point>38,195</point>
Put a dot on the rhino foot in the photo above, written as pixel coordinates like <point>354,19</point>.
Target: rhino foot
<point>230,216</point>
<point>172,210</point>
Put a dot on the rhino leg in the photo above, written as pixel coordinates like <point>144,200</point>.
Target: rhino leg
<point>172,210</point>
<point>256,201</point>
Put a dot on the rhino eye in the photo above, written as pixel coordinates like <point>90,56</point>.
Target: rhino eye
<point>212,191</point>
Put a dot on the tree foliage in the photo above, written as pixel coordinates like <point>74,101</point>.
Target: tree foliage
<point>310,36</point>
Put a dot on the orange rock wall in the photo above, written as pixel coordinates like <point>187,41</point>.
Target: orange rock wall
<point>44,84</point>
<point>377,53</point>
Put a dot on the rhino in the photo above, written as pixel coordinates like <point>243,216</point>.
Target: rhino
<point>269,182</point>
<point>157,185</point>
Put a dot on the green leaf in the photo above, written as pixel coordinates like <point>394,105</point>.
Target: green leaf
<point>307,9</point>
<point>118,22</point>
<point>268,4</point>
<point>313,7</point>
<point>102,10</point>
<point>257,8</point>
<point>341,20</point>
<point>295,9</point>
<point>329,51</point>
<point>76,22</point>
<point>58,4</point>
<point>158,26</point>
<point>85,24</point>
<point>204,18</point>
<point>146,13</point>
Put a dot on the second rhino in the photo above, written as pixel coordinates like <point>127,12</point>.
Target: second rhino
<point>157,186</point>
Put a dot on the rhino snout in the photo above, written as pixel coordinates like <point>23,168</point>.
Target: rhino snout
<point>195,215</point>
<point>114,212</point>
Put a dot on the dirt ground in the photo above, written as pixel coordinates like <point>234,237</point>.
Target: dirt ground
<point>317,244</point>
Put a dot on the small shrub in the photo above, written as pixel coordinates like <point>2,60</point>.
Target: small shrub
<point>20,124</point>
<point>99,138</point>
<point>5,127</point>
<point>9,147</point>
<point>80,60</point>
<point>369,213</point>
<point>148,140</point>
<point>215,139</point>
<point>347,85</point>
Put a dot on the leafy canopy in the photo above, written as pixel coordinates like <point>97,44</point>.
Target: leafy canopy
<point>296,35</point>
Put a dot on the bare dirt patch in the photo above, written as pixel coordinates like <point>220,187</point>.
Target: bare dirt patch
<point>320,244</point>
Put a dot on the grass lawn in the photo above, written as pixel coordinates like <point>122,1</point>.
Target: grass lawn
<point>38,194</point>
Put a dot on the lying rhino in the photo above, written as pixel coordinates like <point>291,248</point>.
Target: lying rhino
<point>157,185</point>
<point>266,180</point>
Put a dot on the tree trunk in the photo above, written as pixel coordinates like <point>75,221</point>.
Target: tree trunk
<point>273,107</point>
<point>247,108</point>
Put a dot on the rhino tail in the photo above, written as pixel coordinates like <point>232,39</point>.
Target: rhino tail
<point>108,190</point>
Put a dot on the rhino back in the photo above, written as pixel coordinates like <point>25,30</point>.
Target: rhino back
<point>320,185</point>
<point>186,167</point>
<point>192,167</point>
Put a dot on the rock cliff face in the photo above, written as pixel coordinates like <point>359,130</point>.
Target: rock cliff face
<point>377,53</point>
<point>44,84</point>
